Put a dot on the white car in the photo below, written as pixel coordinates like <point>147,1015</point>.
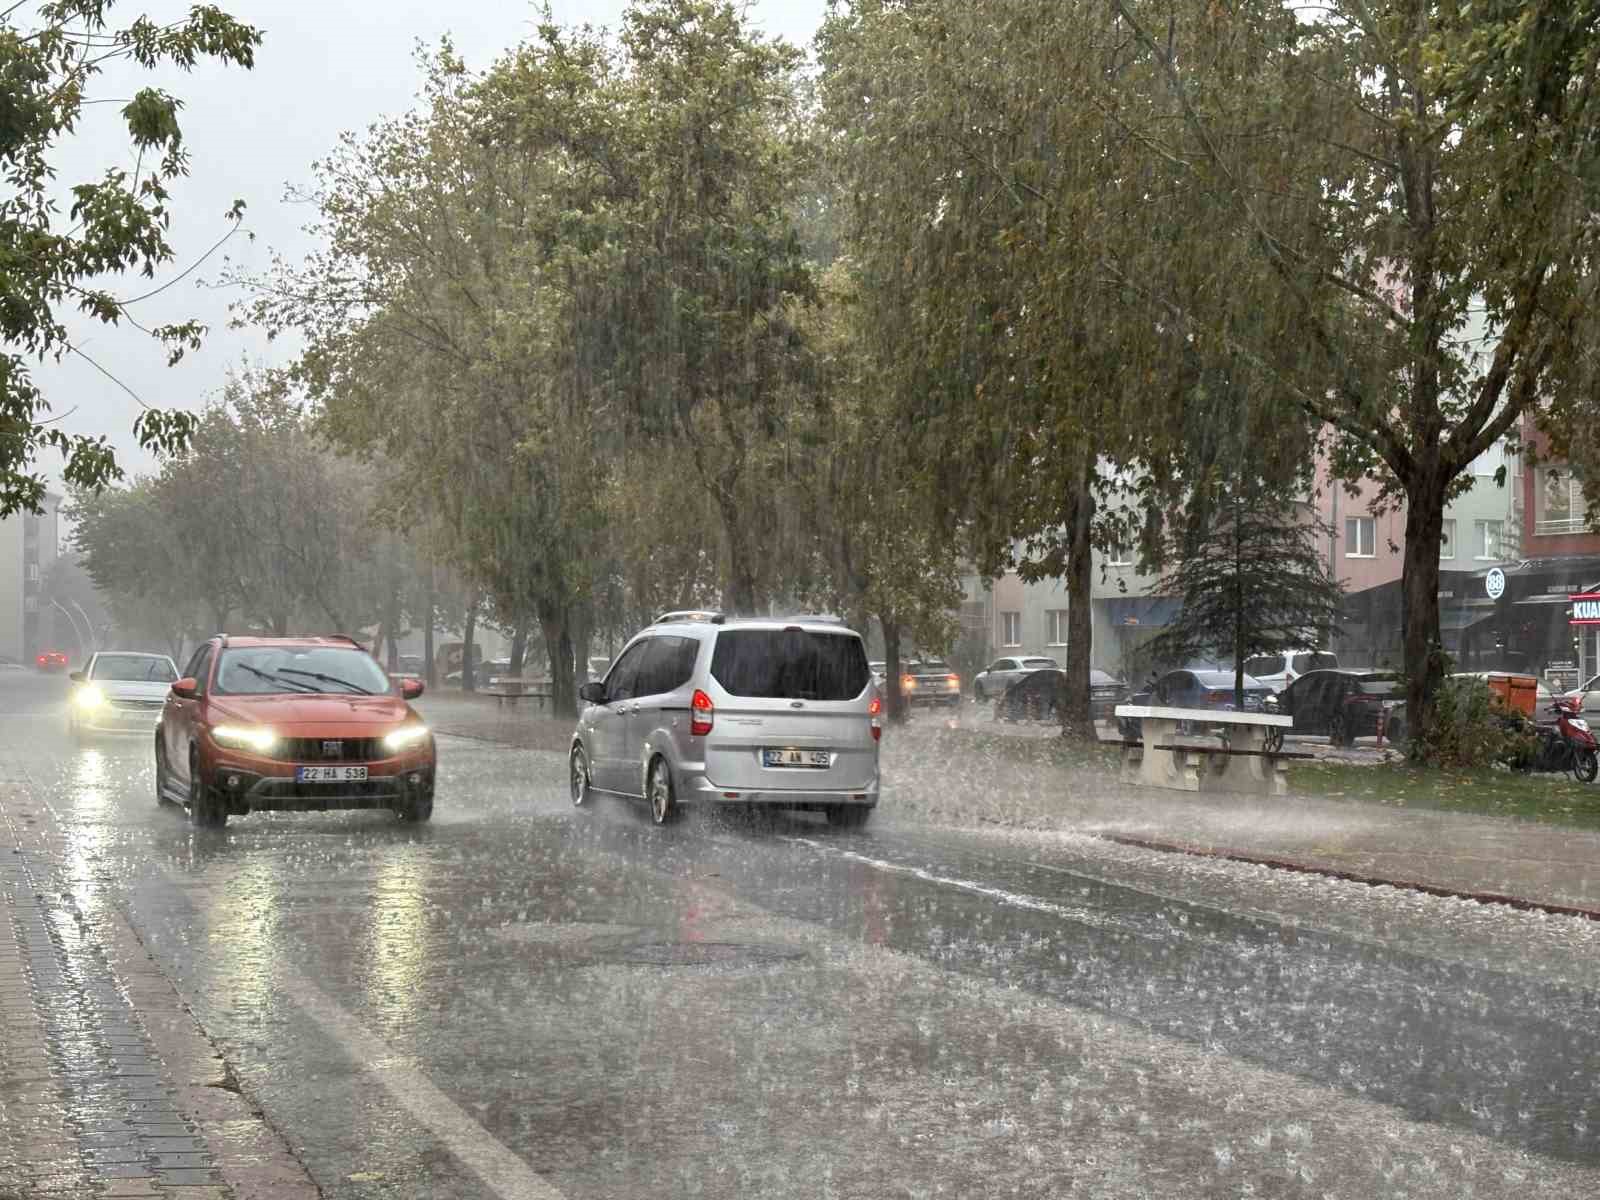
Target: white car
<point>1003,672</point>
<point>1278,671</point>
<point>121,690</point>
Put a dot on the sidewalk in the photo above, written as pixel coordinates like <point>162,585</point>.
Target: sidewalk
<point>107,1086</point>
<point>933,777</point>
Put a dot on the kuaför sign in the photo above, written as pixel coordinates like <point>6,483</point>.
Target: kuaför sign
<point>1586,608</point>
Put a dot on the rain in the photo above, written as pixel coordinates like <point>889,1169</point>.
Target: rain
<point>665,599</point>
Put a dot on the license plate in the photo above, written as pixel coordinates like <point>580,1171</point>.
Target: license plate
<point>330,774</point>
<point>796,758</point>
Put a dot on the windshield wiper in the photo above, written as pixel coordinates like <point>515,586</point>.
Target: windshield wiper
<point>270,677</point>
<point>354,687</point>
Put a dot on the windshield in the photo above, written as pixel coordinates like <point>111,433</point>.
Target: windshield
<point>790,664</point>
<point>1319,661</point>
<point>1043,664</point>
<point>267,670</point>
<point>1267,664</point>
<point>1379,685</point>
<point>1223,679</point>
<point>133,668</point>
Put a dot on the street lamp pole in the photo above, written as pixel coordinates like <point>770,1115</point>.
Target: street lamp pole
<point>73,621</point>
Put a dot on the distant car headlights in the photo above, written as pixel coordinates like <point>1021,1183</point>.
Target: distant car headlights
<point>406,735</point>
<point>245,737</point>
<point>90,696</point>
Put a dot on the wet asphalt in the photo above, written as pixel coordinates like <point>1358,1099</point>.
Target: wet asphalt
<point>523,998</point>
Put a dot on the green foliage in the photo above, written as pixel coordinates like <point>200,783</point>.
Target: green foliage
<point>119,223</point>
<point>1472,728</point>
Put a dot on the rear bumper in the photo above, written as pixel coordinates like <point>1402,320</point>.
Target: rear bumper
<point>697,789</point>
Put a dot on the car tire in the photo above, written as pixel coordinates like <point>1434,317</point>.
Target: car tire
<point>578,777</point>
<point>417,807</point>
<point>206,810</point>
<point>848,816</point>
<point>161,772</point>
<point>1339,730</point>
<point>660,793</point>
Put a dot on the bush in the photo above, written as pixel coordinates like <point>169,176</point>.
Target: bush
<point>1473,728</point>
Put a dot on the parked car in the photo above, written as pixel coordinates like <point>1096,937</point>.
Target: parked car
<point>51,660</point>
<point>1278,671</point>
<point>1344,704</point>
<point>995,679</point>
<point>930,682</point>
<point>10,664</point>
<point>311,723</point>
<point>1191,687</point>
<point>1033,696</point>
<point>718,710</point>
<point>120,690</point>
<point>481,671</point>
<point>880,673</point>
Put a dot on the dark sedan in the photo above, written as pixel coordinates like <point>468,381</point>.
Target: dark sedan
<point>1033,697</point>
<point>1343,704</point>
<point>1195,688</point>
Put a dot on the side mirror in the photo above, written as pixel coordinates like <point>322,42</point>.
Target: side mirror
<point>186,688</point>
<point>593,693</point>
<point>76,677</point>
<point>410,689</point>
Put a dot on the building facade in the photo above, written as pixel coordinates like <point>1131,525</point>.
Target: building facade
<point>28,548</point>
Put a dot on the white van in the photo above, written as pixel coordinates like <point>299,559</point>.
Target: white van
<point>1278,671</point>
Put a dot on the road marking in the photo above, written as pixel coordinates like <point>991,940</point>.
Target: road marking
<point>502,1170</point>
<point>1081,915</point>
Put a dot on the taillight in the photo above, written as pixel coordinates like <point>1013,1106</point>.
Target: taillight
<point>702,713</point>
<point>875,710</point>
<point>1216,697</point>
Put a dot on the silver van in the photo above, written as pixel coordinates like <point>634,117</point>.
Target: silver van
<point>705,709</point>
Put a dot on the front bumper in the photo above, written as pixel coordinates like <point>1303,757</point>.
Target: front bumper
<point>256,784</point>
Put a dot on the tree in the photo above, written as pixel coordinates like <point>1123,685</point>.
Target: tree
<point>129,548</point>
<point>1332,200</point>
<point>1250,578</point>
<point>119,223</point>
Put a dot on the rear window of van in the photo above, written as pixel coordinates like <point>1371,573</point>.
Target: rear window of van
<point>790,664</point>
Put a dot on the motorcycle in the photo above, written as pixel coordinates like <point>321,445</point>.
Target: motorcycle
<point>1568,745</point>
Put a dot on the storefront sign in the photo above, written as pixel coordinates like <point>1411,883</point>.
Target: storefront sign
<point>1495,583</point>
<point>1561,664</point>
<point>1586,608</point>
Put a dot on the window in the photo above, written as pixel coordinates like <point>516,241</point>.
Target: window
<point>1265,664</point>
<point>1056,626</point>
<point>667,665</point>
<point>1011,629</point>
<point>791,664</point>
<point>33,572</point>
<point>1359,538</point>
<point>1119,555</point>
<point>1447,539</point>
<point>625,671</point>
<point>1489,538</point>
<point>199,667</point>
<point>1558,505</point>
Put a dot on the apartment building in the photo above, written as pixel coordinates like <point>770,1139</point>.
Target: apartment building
<point>28,547</point>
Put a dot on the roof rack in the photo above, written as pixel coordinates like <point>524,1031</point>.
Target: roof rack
<point>690,614</point>
<point>817,618</point>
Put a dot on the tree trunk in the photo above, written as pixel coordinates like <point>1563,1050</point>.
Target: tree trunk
<point>519,649</point>
<point>582,636</point>
<point>555,625</point>
<point>467,680</point>
<point>378,642</point>
<point>431,673</point>
<point>1238,604</point>
<point>739,596</point>
<point>894,701</point>
<point>1072,705</point>
<point>1419,590</point>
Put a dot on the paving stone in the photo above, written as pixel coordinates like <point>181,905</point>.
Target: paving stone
<point>187,1176</point>
<point>180,1160</point>
<point>174,1145</point>
<point>126,1171</point>
<point>129,1187</point>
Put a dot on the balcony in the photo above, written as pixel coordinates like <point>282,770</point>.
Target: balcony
<point>1559,525</point>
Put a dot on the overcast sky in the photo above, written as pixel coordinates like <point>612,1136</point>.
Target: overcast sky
<point>323,68</point>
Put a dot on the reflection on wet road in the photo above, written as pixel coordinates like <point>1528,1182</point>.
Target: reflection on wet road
<point>526,999</point>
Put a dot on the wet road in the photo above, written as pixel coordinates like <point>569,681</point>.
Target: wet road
<point>527,999</point>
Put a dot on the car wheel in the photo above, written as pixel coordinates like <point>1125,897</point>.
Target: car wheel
<point>848,816</point>
<point>417,807</point>
<point>1585,766</point>
<point>161,772</point>
<point>663,802</point>
<point>1339,730</point>
<point>578,776</point>
<point>206,809</point>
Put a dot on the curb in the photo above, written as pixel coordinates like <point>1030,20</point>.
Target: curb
<point>1302,868</point>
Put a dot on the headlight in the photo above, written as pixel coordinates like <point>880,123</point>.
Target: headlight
<point>90,696</point>
<point>406,735</point>
<point>245,737</point>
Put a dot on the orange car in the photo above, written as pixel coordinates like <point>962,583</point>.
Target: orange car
<point>258,724</point>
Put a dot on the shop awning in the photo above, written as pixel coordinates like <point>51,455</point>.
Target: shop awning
<point>1456,619</point>
<point>1142,611</point>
